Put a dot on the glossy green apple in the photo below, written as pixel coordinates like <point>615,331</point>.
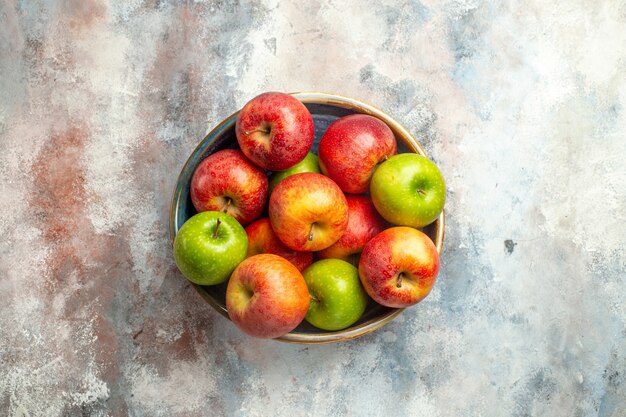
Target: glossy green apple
<point>338,299</point>
<point>209,246</point>
<point>310,163</point>
<point>408,190</point>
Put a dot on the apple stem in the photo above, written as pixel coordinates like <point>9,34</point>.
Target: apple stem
<point>266,131</point>
<point>314,298</point>
<point>217,227</point>
<point>228,201</point>
<point>311,232</point>
<point>399,280</point>
<point>422,192</point>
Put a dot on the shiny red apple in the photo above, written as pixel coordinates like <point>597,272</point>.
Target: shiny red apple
<point>267,296</point>
<point>399,266</point>
<point>226,181</point>
<point>275,130</point>
<point>262,239</point>
<point>352,147</point>
<point>308,211</point>
<point>364,223</point>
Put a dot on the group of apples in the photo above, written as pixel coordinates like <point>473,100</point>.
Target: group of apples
<point>357,202</point>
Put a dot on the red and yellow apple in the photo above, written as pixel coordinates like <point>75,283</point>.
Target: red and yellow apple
<point>262,239</point>
<point>352,147</point>
<point>399,266</point>
<point>308,211</point>
<point>267,296</point>
<point>228,182</point>
<point>275,130</point>
<point>364,223</point>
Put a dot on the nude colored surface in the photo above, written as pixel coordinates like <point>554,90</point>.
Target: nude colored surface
<point>521,104</point>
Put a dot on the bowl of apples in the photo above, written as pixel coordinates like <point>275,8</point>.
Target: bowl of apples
<point>309,218</point>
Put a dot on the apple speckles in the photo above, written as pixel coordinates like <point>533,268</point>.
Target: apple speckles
<point>291,125</point>
<point>263,239</point>
<point>203,258</point>
<point>227,181</point>
<point>399,266</point>
<point>351,147</point>
<point>408,190</point>
<point>301,200</point>
<point>338,298</point>
<point>281,297</point>
<point>364,223</point>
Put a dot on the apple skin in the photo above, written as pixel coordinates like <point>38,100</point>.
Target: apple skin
<point>227,181</point>
<point>338,299</point>
<point>262,239</point>
<point>274,130</point>
<point>352,147</point>
<point>267,296</point>
<point>207,257</point>
<point>310,163</point>
<point>408,190</point>
<point>364,223</point>
<point>308,211</point>
<point>399,266</point>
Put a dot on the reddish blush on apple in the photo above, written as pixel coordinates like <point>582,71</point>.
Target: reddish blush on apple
<point>399,266</point>
<point>228,182</point>
<point>267,296</point>
<point>352,147</point>
<point>262,239</point>
<point>275,130</point>
<point>364,223</point>
<point>308,211</point>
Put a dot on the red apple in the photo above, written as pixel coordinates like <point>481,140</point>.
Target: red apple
<point>226,181</point>
<point>352,147</point>
<point>262,239</point>
<point>275,131</point>
<point>308,211</point>
<point>267,296</point>
<point>399,266</point>
<point>364,223</point>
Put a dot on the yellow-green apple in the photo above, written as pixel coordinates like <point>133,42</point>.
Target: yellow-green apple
<point>399,266</point>
<point>267,296</point>
<point>364,223</point>
<point>308,164</point>
<point>262,239</point>
<point>308,211</point>
<point>274,130</point>
<point>408,190</point>
<point>337,297</point>
<point>227,181</point>
<point>209,246</point>
<point>352,147</point>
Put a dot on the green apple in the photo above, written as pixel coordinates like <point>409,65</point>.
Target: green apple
<point>338,299</point>
<point>209,246</point>
<point>310,163</point>
<point>408,190</point>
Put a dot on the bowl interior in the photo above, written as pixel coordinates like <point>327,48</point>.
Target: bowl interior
<point>324,109</point>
